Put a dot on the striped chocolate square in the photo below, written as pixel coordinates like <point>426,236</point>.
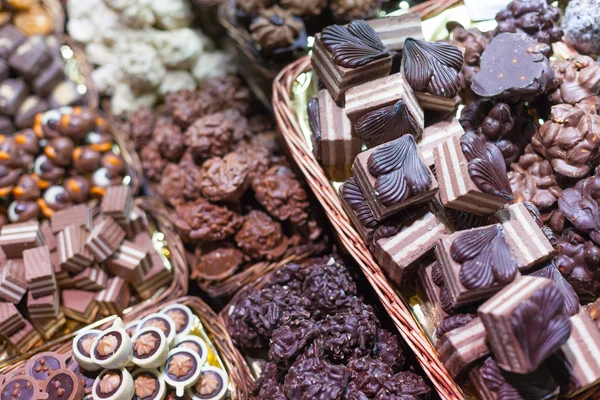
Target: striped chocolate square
<point>93,279</point>
<point>117,203</point>
<point>395,29</point>
<point>73,253</point>
<point>79,215</point>
<point>45,307</point>
<point>15,238</point>
<point>12,281</point>
<point>130,262</point>
<point>11,319</point>
<point>79,305</point>
<point>460,348</point>
<point>436,134</point>
<point>105,239</point>
<point>115,297</point>
<point>39,272</point>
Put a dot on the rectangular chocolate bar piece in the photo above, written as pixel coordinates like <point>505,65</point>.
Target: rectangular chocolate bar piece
<point>385,181</point>
<point>117,203</point>
<point>138,222</point>
<point>130,262</point>
<point>358,210</point>
<point>460,348</point>
<point>74,256</point>
<point>436,134</point>
<point>115,297</point>
<point>12,281</point>
<point>92,279</point>
<point>512,352</point>
<point>339,144</point>
<point>338,78</point>
<point>401,252</point>
<point>428,101</point>
<point>14,238</point>
<point>79,215</point>
<point>48,235</point>
<point>11,320</point>
<point>582,354</point>
<point>394,30</point>
<point>39,272</point>
<point>525,239</point>
<point>457,189</point>
<point>80,305</point>
<point>25,339</point>
<point>42,308</point>
<point>47,328</point>
<point>105,239</point>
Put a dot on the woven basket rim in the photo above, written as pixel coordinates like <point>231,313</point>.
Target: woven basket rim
<point>57,13</point>
<point>349,237</point>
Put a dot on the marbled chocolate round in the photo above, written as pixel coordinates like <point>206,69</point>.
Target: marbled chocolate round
<point>148,385</point>
<point>212,385</point>
<point>113,384</point>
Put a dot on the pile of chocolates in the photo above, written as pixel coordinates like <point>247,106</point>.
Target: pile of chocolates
<point>323,341</point>
<point>77,266</point>
<point>29,16</point>
<point>143,50</point>
<point>32,78</point>
<point>164,355</point>
<point>495,214</point>
<point>67,158</point>
<point>218,165</point>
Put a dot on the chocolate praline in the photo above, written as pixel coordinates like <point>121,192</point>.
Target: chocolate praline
<point>8,177</point>
<point>114,164</point>
<point>21,211</point>
<point>78,188</point>
<point>78,123</point>
<point>47,170</point>
<point>86,160</point>
<point>278,32</point>
<point>60,151</point>
<point>56,198</point>
<point>28,141</point>
<point>27,188</point>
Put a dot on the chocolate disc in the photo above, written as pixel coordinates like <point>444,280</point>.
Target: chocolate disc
<point>43,365</point>
<point>21,387</point>
<point>63,384</point>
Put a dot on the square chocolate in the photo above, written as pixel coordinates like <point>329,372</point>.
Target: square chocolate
<point>436,134</point>
<point>31,57</point>
<point>394,30</point>
<point>13,93</point>
<point>10,39</point>
<point>117,203</point>
<point>15,238</point>
<point>460,348</point>
<point>39,272</point>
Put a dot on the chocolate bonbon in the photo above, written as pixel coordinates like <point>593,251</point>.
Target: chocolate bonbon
<point>461,347</point>
<point>113,384</point>
<point>82,349</point>
<point>113,348</point>
<point>182,369</point>
<point>150,347</point>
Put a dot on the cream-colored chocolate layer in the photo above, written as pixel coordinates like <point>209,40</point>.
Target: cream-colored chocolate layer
<point>457,190</point>
<point>382,92</point>
<point>524,237</point>
<point>582,352</point>
<point>436,134</point>
<point>394,30</point>
<point>339,145</point>
<point>460,348</point>
<point>496,314</point>
<point>130,262</point>
<point>428,101</point>
<point>399,253</point>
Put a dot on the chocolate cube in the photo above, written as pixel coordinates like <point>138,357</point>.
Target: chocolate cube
<point>15,238</point>
<point>6,125</point>
<point>42,308</point>
<point>79,215</point>
<point>4,70</point>
<point>12,281</point>
<point>25,338</point>
<point>138,222</point>
<point>13,93</point>
<point>117,203</point>
<point>50,326</point>
<point>50,77</point>
<point>393,176</point>
<point>105,239</point>
<point>66,93</point>
<point>430,292</point>
<point>394,30</point>
<point>130,262</point>
<point>80,305</point>
<point>73,254</point>
<point>358,210</point>
<point>460,348</point>
<point>10,39</point>
<point>11,321</point>
<point>525,323</point>
<point>31,57</point>
<point>115,297</point>
<point>92,279</point>
<point>39,272</point>
<point>436,134</point>
<point>383,110</point>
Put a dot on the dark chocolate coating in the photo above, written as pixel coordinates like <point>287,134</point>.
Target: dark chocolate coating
<point>32,106</point>
<point>13,93</point>
<point>23,210</point>
<point>60,151</point>
<point>47,80</point>
<point>386,124</point>
<point>550,271</point>
<point>44,366</point>
<point>578,261</point>
<point>535,18</point>
<point>356,200</point>
<point>78,188</point>
<point>86,160</point>
<point>10,39</point>
<point>579,204</point>
<point>8,176</point>
<point>64,385</point>
<point>355,45</point>
<point>27,189</point>
<point>31,57</point>
<point>314,121</point>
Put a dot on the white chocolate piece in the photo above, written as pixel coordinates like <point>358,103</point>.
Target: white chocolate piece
<point>122,354</point>
<point>199,346</point>
<point>189,326</point>
<point>167,326</point>
<point>213,65</point>
<point>172,14</point>
<point>85,361</point>
<point>161,353</point>
<point>162,386</point>
<point>217,396</point>
<point>180,386</point>
<point>125,390</point>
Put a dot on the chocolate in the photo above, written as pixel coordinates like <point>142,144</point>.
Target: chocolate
<point>183,318</point>
<point>212,384</point>
<point>472,175</point>
<point>514,68</point>
<point>42,365</point>
<point>39,272</point>
<point>27,189</point>
<point>212,135</point>
<point>460,348</point>
<point>346,56</point>
<point>578,261</point>
<point>182,369</point>
<point>12,321</point>
<point>314,122</point>
<point>432,67</point>
<point>358,210</point>
<point>278,32</point>
<point>436,134</point>
<point>93,279</point>
<point>15,238</point>
<point>579,28</point>
<point>104,239</point>
<point>474,42</point>
<point>43,307</point>
<point>216,262</point>
<point>525,323</point>
<point>12,281</point>
<point>13,93</point>
<point>550,271</point>
<point>86,160</point>
<point>82,349</point>
<point>393,176</point>
<point>117,203</point>
<point>536,19</point>
<point>224,179</point>
<point>337,143</point>
<point>114,384</point>
<point>383,110</point>
<point>162,322</point>
<point>26,113</point>
<point>148,385</point>
<point>393,30</point>
<point>150,348</point>
<point>48,78</point>
<point>10,39</point>
<point>114,298</point>
<point>59,151</point>
<point>568,139</point>
<point>79,305</point>
<point>193,343</point>
<point>577,80</point>
<point>31,57</point>
<point>73,253</point>
<point>65,94</point>
<point>130,262</point>
<point>64,384</point>
<point>78,216</point>
<point>21,387</point>
<point>261,237</point>
<point>578,204</point>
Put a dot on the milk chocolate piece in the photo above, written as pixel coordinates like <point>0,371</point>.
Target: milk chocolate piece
<point>383,110</point>
<point>12,281</point>
<point>44,307</point>
<point>525,323</point>
<point>358,210</point>
<point>48,328</point>
<point>475,182</point>
<point>10,39</point>
<point>63,384</point>
<point>26,113</point>
<point>11,321</point>
<point>79,305</point>
<point>25,338</point>
<point>393,176</point>
<point>432,67</point>
<point>476,263</point>
<point>39,271</point>
<point>79,215</point>
<point>92,279</point>
<point>338,144</point>
<point>6,125</point>
<point>105,239</point>
<point>138,223</point>
<point>51,76</point>
<point>117,203</point>
<point>460,348</point>
<point>394,30</point>
<point>158,277</point>
<point>115,297</point>
<point>435,135</point>
<point>526,241</point>
<point>22,387</point>
<point>31,57</point>
<point>347,56</point>
<point>13,93</point>
<point>550,271</point>
<point>401,252</point>
<point>49,238</point>
<point>74,256</point>
<point>130,262</point>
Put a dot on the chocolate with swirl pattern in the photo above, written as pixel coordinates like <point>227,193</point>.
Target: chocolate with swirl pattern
<point>355,199</point>
<point>432,67</point>
<point>353,46</point>
<point>550,271</point>
<point>399,171</point>
<point>487,168</point>
<point>386,124</point>
<point>314,121</point>
<point>484,257</point>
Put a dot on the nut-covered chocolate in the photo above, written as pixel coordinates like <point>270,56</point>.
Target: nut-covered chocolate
<point>261,237</point>
<point>201,220</point>
<point>534,18</point>
<point>578,79</point>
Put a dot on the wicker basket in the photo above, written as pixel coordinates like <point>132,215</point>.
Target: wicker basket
<point>132,160</point>
<point>57,13</point>
<point>80,70</point>
<point>238,371</point>
<point>347,234</point>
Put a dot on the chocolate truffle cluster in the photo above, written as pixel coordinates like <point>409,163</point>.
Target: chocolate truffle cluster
<point>143,50</point>
<point>32,78</point>
<point>323,341</point>
<point>218,165</point>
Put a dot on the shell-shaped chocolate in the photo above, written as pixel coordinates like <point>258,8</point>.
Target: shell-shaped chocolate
<point>353,46</point>
<point>486,167</point>
<point>485,258</point>
<point>385,124</point>
<point>551,272</point>
<point>540,324</point>
<point>355,199</point>
<point>432,67</point>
